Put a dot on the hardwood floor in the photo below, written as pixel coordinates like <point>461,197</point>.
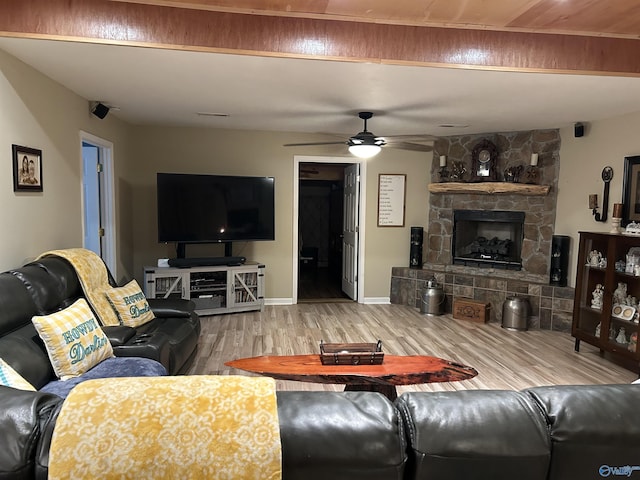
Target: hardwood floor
<point>504,359</point>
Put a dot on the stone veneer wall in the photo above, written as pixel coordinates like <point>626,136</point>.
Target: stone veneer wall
<point>551,306</point>
<point>514,149</point>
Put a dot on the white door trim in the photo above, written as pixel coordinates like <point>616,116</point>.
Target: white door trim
<point>297,160</point>
<point>107,200</point>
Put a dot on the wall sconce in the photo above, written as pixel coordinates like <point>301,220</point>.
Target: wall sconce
<point>607,175</point>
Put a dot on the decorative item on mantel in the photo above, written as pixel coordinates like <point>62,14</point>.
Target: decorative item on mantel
<point>512,174</point>
<point>607,175</point>
<point>444,171</point>
<point>458,169</point>
<point>532,174</point>
<point>484,159</point>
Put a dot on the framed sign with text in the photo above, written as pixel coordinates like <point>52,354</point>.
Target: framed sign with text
<point>391,199</point>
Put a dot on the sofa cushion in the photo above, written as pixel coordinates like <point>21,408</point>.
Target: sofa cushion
<point>479,434</point>
<point>73,339</point>
<point>109,368</point>
<point>340,436</point>
<point>10,378</point>
<point>130,304</point>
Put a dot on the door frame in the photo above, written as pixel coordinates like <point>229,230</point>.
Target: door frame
<point>107,198</point>
<point>297,160</point>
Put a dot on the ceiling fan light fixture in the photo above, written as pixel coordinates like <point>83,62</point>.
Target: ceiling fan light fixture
<point>364,151</point>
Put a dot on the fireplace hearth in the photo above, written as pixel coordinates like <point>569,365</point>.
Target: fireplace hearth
<point>488,239</point>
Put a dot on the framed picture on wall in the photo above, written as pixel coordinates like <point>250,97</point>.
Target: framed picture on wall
<point>631,190</point>
<point>27,169</point>
<point>391,199</point>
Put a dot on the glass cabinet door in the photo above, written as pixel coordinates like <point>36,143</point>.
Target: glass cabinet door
<point>593,299</point>
<point>622,332</point>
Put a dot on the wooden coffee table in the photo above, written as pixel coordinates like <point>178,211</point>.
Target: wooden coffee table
<point>395,370</point>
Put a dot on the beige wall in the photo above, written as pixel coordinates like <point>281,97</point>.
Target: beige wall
<point>606,142</point>
<point>38,113</point>
<point>197,150</point>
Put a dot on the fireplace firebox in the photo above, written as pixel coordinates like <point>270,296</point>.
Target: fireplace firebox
<point>488,238</point>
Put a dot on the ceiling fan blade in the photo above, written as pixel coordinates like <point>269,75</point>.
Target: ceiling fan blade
<point>314,143</point>
<point>416,147</point>
<point>418,136</point>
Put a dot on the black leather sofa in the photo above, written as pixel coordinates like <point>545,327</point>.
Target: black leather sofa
<point>544,433</point>
<point>51,284</point>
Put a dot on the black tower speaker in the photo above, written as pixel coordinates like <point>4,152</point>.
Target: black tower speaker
<point>415,253</point>
<point>559,260</point>
<point>100,110</point>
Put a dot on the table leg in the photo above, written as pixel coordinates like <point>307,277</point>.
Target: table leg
<point>388,391</point>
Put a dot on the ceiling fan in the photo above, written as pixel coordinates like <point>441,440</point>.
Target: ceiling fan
<point>366,145</point>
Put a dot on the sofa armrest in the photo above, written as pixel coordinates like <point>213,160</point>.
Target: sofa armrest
<point>171,307</point>
<point>23,417</point>
<point>594,429</point>
<point>119,334</point>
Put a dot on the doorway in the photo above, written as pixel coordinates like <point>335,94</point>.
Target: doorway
<point>322,230</point>
<point>98,198</point>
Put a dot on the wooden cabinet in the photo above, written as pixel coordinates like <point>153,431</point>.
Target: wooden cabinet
<point>605,310</point>
<point>214,289</point>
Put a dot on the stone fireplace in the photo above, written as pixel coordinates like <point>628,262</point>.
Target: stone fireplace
<point>488,280</point>
<point>514,149</point>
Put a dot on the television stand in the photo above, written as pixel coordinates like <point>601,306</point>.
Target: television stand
<point>214,289</point>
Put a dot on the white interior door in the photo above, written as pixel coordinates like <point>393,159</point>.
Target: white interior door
<point>91,192</point>
<point>98,198</point>
<point>350,224</point>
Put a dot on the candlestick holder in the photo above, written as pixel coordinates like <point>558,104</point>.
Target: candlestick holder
<point>444,174</point>
<point>615,225</point>
<point>532,174</point>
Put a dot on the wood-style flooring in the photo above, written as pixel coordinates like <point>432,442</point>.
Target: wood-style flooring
<point>504,359</point>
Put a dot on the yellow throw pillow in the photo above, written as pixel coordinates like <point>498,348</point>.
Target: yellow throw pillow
<point>130,304</point>
<point>10,378</point>
<point>73,339</point>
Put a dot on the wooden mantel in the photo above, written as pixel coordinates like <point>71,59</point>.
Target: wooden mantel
<point>490,188</point>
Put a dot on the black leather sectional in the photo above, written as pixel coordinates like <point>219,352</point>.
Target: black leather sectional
<point>554,433</point>
<point>51,284</point>
<point>544,433</point>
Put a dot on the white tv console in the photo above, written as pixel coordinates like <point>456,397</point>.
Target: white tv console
<point>214,289</point>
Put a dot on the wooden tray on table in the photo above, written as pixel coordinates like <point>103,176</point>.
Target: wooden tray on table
<point>351,353</point>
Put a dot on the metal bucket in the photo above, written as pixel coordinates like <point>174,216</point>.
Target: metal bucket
<point>515,313</point>
<point>432,299</point>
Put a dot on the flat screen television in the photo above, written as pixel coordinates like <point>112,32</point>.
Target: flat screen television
<point>194,208</point>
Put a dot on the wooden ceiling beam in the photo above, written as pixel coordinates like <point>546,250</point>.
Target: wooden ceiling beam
<point>115,22</point>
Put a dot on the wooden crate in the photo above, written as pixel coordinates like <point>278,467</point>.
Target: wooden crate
<point>469,309</point>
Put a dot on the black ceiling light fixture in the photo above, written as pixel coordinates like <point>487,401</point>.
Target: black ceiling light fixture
<point>366,145</point>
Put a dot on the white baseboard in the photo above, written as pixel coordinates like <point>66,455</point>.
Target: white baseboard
<point>376,300</point>
<point>366,301</point>
<point>278,301</point>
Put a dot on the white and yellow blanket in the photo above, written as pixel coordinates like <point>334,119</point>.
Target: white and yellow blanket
<point>94,279</point>
<point>190,427</point>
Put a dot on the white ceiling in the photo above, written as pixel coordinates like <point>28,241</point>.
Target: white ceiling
<point>168,87</point>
